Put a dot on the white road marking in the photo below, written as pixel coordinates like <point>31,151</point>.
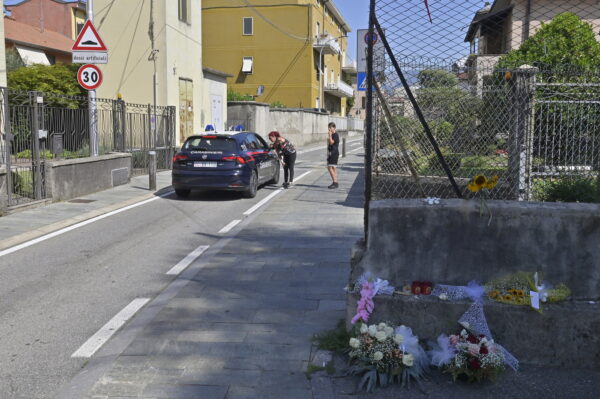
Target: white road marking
<point>270,196</point>
<point>97,340</point>
<point>356,149</point>
<point>324,148</point>
<point>185,262</point>
<point>229,226</point>
<point>263,201</point>
<point>78,225</point>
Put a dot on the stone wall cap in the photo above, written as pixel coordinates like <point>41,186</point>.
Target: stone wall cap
<point>100,158</point>
<point>493,204</point>
<point>247,103</point>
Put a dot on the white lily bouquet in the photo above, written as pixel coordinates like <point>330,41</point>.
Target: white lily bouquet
<point>385,355</point>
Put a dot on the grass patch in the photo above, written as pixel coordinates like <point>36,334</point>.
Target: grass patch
<point>334,340</point>
<point>312,368</point>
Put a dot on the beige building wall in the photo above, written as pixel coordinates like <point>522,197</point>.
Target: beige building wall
<point>129,73</point>
<point>2,51</point>
<point>215,96</point>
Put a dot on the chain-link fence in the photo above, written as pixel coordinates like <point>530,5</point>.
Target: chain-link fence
<point>509,89</point>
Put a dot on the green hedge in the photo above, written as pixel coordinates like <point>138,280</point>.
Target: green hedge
<point>567,189</point>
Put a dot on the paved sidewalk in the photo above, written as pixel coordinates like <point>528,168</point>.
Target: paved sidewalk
<point>242,326</point>
<point>29,224</point>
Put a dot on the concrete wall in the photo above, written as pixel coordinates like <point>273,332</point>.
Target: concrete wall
<point>564,335</point>
<point>72,178</point>
<point>215,87</point>
<point>451,244</point>
<point>300,126</point>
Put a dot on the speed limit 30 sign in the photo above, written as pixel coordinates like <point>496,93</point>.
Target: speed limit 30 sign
<point>89,77</point>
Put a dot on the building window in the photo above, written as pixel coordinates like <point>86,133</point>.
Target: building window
<point>247,65</point>
<point>318,29</point>
<point>364,102</point>
<point>184,10</point>
<point>248,26</point>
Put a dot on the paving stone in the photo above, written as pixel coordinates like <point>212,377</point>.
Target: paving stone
<point>170,391</point>
<point>279,392</point>
<point>327,305</point>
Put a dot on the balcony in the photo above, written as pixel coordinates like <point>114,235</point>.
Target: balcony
<point>349,67</point>
<point>339,89</point>
<point>326,44</point>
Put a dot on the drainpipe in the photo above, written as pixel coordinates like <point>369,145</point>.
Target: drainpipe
<point>527,20</point>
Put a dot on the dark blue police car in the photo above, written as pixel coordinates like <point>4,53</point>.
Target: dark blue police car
<point>220,161</point>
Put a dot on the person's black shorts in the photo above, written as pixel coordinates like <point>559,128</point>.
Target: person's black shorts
<point>332,158</point>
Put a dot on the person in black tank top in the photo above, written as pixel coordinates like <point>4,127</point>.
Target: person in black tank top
<point>333,153</point>
<point>287,153</point>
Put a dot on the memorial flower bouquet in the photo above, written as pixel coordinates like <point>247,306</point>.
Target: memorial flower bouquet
<point>383,355</point>
<point>517,288</point>
<point>469,355</point>
<point>481,186</point>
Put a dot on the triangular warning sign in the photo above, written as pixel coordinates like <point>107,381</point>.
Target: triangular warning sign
<point>89,39</point>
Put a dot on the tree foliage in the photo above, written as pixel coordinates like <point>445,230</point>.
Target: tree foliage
<point>566,41</point>
<point>58,79</point>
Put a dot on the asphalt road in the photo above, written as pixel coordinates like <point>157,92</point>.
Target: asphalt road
<point>56,294</point>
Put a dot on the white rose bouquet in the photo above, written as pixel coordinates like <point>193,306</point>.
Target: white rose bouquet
<point>380,355</point>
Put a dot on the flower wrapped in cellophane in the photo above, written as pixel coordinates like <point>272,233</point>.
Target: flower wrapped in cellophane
<point>516,288</point>
<point>385,355</point>
<point>466,354</point>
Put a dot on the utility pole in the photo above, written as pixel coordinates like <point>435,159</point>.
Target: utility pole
<point>93,116</point>
<point>152,58</point>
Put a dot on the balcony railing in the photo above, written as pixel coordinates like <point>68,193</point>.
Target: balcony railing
<point>339,89</point>
<point>349,66</point>
<point>327,45</point>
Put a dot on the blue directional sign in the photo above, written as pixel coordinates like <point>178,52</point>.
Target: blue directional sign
<point>361,81</point>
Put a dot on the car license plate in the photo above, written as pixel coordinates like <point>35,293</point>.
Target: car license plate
<point>205,164</point>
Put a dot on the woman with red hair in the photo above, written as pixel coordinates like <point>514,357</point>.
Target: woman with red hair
<point>285,151</point>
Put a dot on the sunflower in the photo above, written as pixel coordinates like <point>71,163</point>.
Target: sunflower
<point>520,293</point>
<point>508,298</point>
<point>492,182</point>
<point>472,187</point>
<point>494,294</point>
<point>480,180</point>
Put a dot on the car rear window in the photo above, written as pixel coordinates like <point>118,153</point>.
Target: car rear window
<point>222,144</point>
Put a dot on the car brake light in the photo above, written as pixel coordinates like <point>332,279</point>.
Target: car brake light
<point>209,137</point>
<point>180,157</point>
<point>239,160</point>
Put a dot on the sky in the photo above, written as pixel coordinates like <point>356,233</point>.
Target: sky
<point>413,35</point>
<point>356,13</point>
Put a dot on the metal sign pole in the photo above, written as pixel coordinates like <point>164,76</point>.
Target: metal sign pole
<point>93,126</point>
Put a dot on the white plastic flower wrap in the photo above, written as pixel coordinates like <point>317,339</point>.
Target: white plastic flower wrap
<point>410,343</point>
<point>442,353</point>
<point>380,286</point>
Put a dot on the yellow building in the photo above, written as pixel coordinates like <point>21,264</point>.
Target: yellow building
<point>198,93</point>
<point>290,52</point>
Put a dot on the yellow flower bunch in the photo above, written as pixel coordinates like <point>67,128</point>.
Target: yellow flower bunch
<point>480,182</point>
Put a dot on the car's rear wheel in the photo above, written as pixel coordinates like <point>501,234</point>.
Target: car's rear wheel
<point>252,187</point>
<point>181,192</point>
<point>275,179</point>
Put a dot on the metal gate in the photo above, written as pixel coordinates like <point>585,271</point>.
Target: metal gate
<point>24,146</point>
<point>38,126</point>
